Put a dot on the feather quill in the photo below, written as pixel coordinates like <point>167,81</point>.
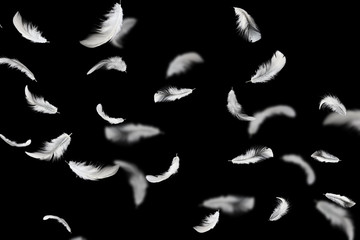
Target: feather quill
<point>230,204</point>
<point>60,220</point>
<point>15,144</point>
<point>52,150</point>
<point>171,94</point>
<point>172,170</point>
<point>104,116</point>
<point>270,69</point>
<point>351,120</point>
<point>108,28</point>
<point>91,172</point>
<point>340,200</point>
<point>333,103</point>
<point>183,63</point>
<point>254,155</point>
<point>281,209</point>
<point>115,63</point>
<point>235,108</point>
<point>247,26</point>
<point>298,160</point>
<point>323,156</point>
<point>38,104</point>
<point>28,30</point>
<point>14,63</point>
<point>208,223</point>
<point>127,25</point>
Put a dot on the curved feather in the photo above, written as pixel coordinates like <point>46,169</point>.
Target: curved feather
<point>60,220</point>
<point>92,172</point>
<point>115,63</point>
<point>351,120</point>
<point>52,150</point>
<point>230,204</point>
<point>270,69</point>
<point>298,160</point>
<point>15,144</point>
<point>183,63</point>
<point>171,94</point>
<point>323,156</point>
<point>38,104</point>
<point>340,200</point>
<point>254,155</point>
<point>172,170</point>
<point>281,209</point>
<point>333,103</point>
<point>104,116</point>
<point>247,26</point>
<point>235,108</point>
<point>208,223</point>
<point>108,28</point>
<point>14,63</point>
<point>28,30</point>
<point>127,25</point>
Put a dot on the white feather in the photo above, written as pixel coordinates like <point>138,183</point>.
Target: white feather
<point>130,133</point>
<point>60,220</point>
<point>340,200</point>
<point>272,111</point>
<point>183,63</point>
<point>247,26</point>
<point>338,217</point>
<point>281,209</point>
<point>235,108</point>
<point>253,155</point>
<point>15,144</point>
<point>104,116</point>
<point>115,63</point>
<point>208,223</point>
<point>52,150</point>
<point>230,204</point>
<point>298,160</point>
<point>108,28</point>
<point>172,170</point>
<point>333,103</point>
<point>351,120</point>
<point>28,30</point>
<point>127,25</point>
<point>38,104</point>
<point>171,94</point>
<point>323,156</point>
<point>270,69</point>
<point>91,172</point>
<point>14,63</point>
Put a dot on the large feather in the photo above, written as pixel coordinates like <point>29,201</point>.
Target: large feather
<point>60,220</point>
<point>38,104</point>
<point>333,103</point>
<point>323,156</point>
<point>15,144</point>
<point>235,108</point>
<point>340,200</point>
<point>171,94</point>
<point>104,116</point>
<point>52,150</point>
<point>298,160</point>
<point>172,170</point>
<point>108,28</point>
<point>253,155</point>
<point>338,217</point>
<point>115,63</point>
<point>127,25</point>
<point>260,117</point>
<point>14,63</point>
<point>230,204</point>
<point>351,120</point>
<point>28,30</point>
<point>247,26</point>
<point>281,209</point>
<point>92,172</point>
<point>270,69</point>
<point>208,223</point>
<point>183,63</point>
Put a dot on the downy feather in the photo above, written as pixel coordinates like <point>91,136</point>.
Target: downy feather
<point>254,155</point>
<point>107,30</point>
<point>323,156</point>
<point>52,150</point>
<point>127,25</point>
<point>60,220</point>
<point>183,63</point>
<point>281,209</point>
<point>172,170</point>
<point>247,26</point>
<point>28,30</point>
<point>104,116</point>
<point>15,144</point>
<point>235,108</point>
<point>208,223</point>
<point>14,63</point>
<point>111,63</point>
<point>333,103</point>
<point>92,172</point>
<point>351,120</point>
<point>171,94</point>
<point>340,200</point>
<point>270,69</point>
<point>230,204</point>
<point>38,104</point>
<point>298,160</point>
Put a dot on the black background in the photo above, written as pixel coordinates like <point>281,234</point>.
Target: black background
<point>320,44</point>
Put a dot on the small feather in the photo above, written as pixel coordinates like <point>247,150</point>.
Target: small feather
<point>172,170</point>
<point>115,63</point>
<point>28,30</point>
<point>247,26</point>
<point>104,116</point>
<point>38,104</point>
<point>127,25</point>
<point>230,204</point>
<point>323,156</point>
<point>281,209</point>
<point>60,220</point>
<point>235,108</point>
<point>15,144</point>
<point>333,103</point>
<point>254,155</point>
<point>183,63</point>
<point>208,223</point>
<point>298,160</point>
<point>340,200</point>
<point>171,94</point>
<point>92,172</point>
<point>14,63</point>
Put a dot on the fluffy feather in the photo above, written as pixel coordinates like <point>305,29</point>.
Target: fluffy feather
<point>171,94</point>
<point>91,172</point>
<point>38,104</point>
<point>127,25</point>
<point>340,200</point>
<point>333,103</point>
<point>235,108</point>
<point>323,156</point>
<point>351,120</point>
<point>14,63</point>
<point>253,155</point>
<point>104,116</point>
<point>108,28</point>
<point>172,170</point>
<point>60,220</point>
<point>230,204</point>
<point>281,209</point>
<point>183,63</point>
<point>15,144</point>
<point>115,63</point>
<point>272,111</point>
<point>28,30</point>
<point>209,222</point>
<point>270,69</point>
<point>52,150</point>
<point>338,217</point>
<point>247,26</point>
<point>298,160</point>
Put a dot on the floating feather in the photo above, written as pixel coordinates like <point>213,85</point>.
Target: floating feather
<point>14,63</point>
<point>247,26</point>
<point>253,155</point>
<point>171,94</point>
<point>281,209</point>
<point>333,103</point>
<point>111,120</point>
<point>340,200</point>
<point>91,172</point>
<point>38,104</point>
<point>172,170</point>
<point>230,204</point>
<point>323,156</point>
<point>183,63</point>
<point>28,30</point>
<point>235,108</point>
<point>15,144</point>
<point>208,223</point>
<point>127,25</point>
<point>115,63</point>
<point>351,120</point>
<point>60,220</point>
<point>298,160</point>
